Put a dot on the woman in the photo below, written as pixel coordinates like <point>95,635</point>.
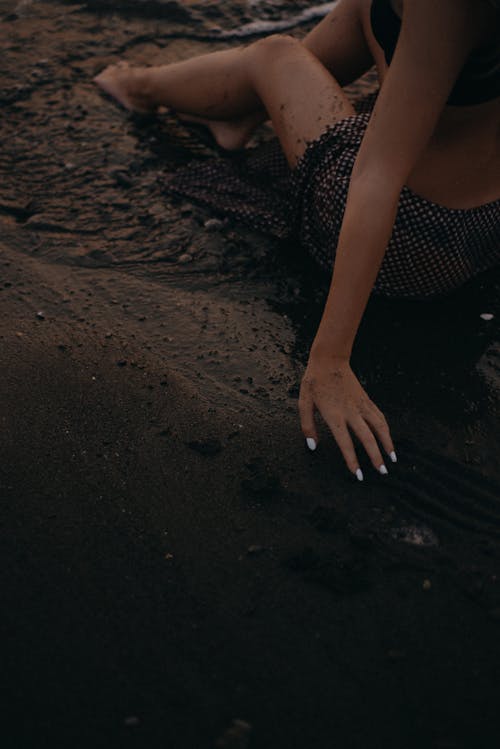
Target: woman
<point>408,193</point>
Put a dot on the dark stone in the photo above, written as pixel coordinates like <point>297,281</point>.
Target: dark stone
<point>341,575</point>
<point>122,179</point>
<point>205,447</point>
<point>262,486</point>
<point>326,519</point>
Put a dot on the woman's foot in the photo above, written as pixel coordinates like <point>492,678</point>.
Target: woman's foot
<point>123,83</point>
<point>128,86</point>
<point>231,135</point>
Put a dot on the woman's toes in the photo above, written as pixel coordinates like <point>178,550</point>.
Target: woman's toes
<point>109,72</point>
<point>110,84</point>
<point>117,81</point>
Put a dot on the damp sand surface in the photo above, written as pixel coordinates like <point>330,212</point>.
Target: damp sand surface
<point>176,569</point>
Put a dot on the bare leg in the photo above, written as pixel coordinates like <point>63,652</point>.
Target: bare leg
<point>125,85</point>
<point>216,85</point>
<point>278,74</point>
<point>338,41</point>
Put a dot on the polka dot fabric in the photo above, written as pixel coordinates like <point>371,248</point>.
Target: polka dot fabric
<point>433,249</point>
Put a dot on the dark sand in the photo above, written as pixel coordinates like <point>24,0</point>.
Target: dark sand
<point>172,558</point>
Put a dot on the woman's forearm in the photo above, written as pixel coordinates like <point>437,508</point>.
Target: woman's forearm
<point>366,229</point>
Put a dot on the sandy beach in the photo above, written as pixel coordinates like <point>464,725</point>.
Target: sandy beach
<point>176,569</point>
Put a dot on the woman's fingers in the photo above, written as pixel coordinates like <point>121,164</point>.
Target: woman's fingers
<point>306,412</point>
<point>343,439</point>
<point>365,436</point>
<point>344,406</point>
<point>376,420</point>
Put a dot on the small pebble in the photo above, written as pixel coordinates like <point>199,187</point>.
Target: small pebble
<point>185,257</point>
<point>131,721</point>
<point>426,585</point>
<point>205,447</point>
<point>40,315</point>
<point>213,224</point>
<point>237,736</point>
<point>255,549</point>
<point>121,178</point>
<point>487,316</point>
<point>396,655</point>
<point>415,535</point>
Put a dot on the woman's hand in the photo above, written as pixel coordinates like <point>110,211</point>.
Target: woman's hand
<point>330,386</point>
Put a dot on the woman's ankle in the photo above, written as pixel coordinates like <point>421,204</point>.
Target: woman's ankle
<point>141,89</point>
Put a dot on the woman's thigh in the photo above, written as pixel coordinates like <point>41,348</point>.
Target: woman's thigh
<point>340,43</point>
<point>300,95</point>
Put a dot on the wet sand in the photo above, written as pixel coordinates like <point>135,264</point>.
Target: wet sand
<point>173,559</point>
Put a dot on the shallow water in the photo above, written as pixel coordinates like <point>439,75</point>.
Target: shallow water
<point>220,20</point>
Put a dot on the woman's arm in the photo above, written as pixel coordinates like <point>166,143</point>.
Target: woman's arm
<point>434,43</point>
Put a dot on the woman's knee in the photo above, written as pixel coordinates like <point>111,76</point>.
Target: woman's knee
<point>274,47</point>
<point>270,53</point>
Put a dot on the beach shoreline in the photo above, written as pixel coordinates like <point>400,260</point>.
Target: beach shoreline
<point>173,558</point>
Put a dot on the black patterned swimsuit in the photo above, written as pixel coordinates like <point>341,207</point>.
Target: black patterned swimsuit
<point>433,249</point>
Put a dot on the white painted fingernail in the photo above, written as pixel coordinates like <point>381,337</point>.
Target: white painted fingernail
<point>311,444</point>
<point>393,457</point>
<point>383,470</point>
<point>359,474</point>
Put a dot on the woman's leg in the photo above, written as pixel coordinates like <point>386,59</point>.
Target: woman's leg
<point>277,73</point>
<point>216,84</point>
<point>231,134</point>
<point>338,41</point>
